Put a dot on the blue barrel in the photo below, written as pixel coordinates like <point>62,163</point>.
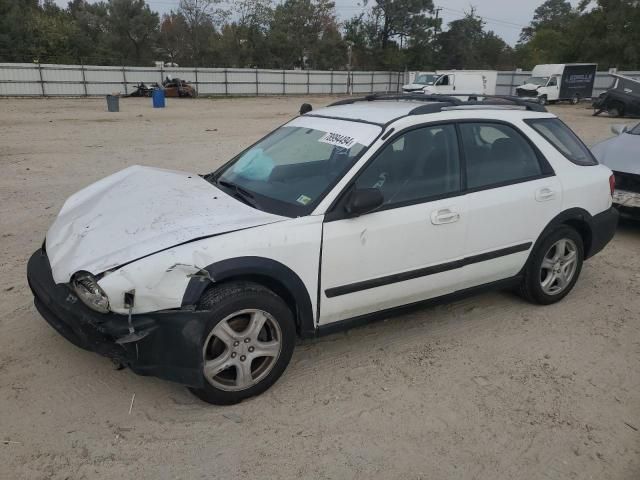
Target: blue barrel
<point>158,98</point>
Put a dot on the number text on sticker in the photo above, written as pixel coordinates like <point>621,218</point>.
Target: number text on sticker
<point>338,140</point>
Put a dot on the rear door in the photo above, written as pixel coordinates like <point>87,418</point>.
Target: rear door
<point>512,195</point>
<point>407,250</point>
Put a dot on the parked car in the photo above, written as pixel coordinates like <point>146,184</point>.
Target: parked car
<point>556,82</point>
<point>175,87</point>
<point>623,98</point>
<point>342,215</point>
<point>466,84</point>
<point>420,81</point>
<point>622,155</point>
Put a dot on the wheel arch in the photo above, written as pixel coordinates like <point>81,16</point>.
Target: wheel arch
<point>267,272</point>
<point>578,219</point>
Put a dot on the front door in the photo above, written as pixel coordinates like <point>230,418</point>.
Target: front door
<point>406,250</point>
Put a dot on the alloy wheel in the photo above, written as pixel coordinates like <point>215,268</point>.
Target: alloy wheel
<point>241,350</point>
<point>558,266</point>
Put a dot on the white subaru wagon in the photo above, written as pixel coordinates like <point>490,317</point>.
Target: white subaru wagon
<point>342,215</point>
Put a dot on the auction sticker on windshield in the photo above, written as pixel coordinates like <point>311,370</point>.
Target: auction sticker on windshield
<point>362,133</point>
<point>338,140</point>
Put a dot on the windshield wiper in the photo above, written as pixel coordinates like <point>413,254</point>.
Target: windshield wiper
<point>239,192</point>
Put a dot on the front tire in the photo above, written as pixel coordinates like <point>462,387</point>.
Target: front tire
<point>542,100</point>
<point>554,267</point>
<point>615,109</point>
<point>248,343</point>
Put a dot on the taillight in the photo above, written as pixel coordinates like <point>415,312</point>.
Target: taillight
<point>612,184</point>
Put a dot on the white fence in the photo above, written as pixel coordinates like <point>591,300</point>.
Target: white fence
<point>26,79</point>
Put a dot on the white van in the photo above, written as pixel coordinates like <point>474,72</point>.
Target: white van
<point>559,81</point>
<point>466,83</point>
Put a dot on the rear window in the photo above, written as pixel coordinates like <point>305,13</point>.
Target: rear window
<point>563,138</point>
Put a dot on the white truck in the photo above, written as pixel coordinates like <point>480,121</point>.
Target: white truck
<point>463,83</point>
<point>560,81</point>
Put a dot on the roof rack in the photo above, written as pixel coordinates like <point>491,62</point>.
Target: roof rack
<point>402,96</point>
<point>437,101</point>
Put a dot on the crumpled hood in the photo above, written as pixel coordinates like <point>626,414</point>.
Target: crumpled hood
<point>413,87</point>
<point>528,86</point>
<point>620,153</point>
<point>139,211</point>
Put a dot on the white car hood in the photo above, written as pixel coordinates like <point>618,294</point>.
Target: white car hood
<point>529,86</point>
<point>620,153</point>
<point>413,86</point>
<point>139,211</point>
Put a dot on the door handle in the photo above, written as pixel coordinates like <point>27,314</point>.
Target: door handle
<point>545,194</point>
<point>444,216</point>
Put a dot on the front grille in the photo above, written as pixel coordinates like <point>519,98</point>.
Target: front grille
<point>527,93</point>
<point>627,181</point>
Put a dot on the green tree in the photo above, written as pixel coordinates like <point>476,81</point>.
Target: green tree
<point>466,44</point>
<point>303,32</point>
<point>200,17</point>
<point>134,28</point>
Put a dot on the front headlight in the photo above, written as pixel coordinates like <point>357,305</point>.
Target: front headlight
<point>87,289</point>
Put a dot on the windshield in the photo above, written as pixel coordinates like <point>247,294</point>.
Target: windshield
<point>290,171</point>
<point>538,80</point>
<point>425,79</point>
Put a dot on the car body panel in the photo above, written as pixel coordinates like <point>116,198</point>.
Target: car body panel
<point>139,211</point>
<point>620,153</point>
<point>160,280</point>
<point>383,244</point>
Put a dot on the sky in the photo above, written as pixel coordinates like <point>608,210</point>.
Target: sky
<point>505,17</point>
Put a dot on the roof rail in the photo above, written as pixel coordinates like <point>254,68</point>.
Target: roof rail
<point>441,101</point>
<point>417,97</point>
<point>502,99</point>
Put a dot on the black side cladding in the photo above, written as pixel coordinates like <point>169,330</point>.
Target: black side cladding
<point>257,268</point>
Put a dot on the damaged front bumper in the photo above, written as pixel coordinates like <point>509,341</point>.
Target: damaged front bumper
<point>171,347</point>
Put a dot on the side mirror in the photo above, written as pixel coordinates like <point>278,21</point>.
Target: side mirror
<point>363,200</point>
<point>305,108</point>
<point>619,129</point>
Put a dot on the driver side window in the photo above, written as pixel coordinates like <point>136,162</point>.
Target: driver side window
<point>421,164</point>
<point>553,82</point>
<point>444,80</point>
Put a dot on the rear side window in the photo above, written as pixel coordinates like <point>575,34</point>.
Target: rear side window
<point>497,154</point>
<point>563,138</point>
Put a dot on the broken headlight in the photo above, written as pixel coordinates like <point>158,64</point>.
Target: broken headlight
<point>87,289</point>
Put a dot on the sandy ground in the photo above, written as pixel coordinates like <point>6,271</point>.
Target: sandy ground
<point>485,388</point>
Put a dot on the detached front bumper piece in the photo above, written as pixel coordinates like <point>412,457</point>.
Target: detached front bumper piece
<point>171,348</point>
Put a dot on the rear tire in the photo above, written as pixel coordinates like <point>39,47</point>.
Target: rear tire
<point>248,342</point>
<point>575,100</point>
<point>554,267</point>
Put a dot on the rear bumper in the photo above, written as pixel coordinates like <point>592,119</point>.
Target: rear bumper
<point>627,202</point>
<point>603,228</point>
<point>170,349</point>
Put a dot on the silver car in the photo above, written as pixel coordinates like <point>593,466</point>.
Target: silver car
<point>622,155</point>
